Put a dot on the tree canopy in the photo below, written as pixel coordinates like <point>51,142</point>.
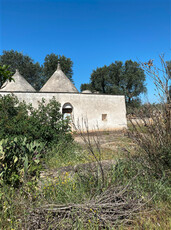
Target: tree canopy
<point>51,62</point>
<point>33,72</point>
<point>86,86</point>
<point>5,75</point>
<point>120,79</point>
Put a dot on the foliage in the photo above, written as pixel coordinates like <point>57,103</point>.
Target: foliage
<point>64,154</point>
<point>25,132</point>
<point>137,181</point>
<point>128,188</point>
<point>44,124</point>
<point>62,192</point>
<point>156,141</point>
<point>51,62</point>
<point>133,106</point>
<point>47,123</point>
<point>133,80</point>
<point>31,71</point>
<point>127,79</point>
<point>19,159</point>
<point>99,79</point>
<point>86,86</point>
<point>5,75</point>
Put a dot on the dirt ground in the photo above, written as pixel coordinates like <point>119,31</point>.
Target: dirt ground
<point>106,136</point>
<point>108,140</point>
<point>111,144</point>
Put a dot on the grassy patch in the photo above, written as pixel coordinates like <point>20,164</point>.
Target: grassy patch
<point>37,201</point>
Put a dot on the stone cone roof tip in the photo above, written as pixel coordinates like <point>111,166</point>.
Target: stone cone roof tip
<point>59,82</point>
<point>58,66</point>
<point>19,84</point>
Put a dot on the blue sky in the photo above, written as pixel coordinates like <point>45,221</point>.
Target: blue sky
<point>92,33</point>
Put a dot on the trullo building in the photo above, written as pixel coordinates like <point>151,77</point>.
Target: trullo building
<point>58,82</point>
<point>19,84</point>
<point>98,111</point>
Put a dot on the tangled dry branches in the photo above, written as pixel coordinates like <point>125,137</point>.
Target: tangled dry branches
<point>113,206</point>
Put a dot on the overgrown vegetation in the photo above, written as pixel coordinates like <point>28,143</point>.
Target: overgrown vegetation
<point>44,124</point>
<point>20,160</point>
<point>50,182</point>
<point>73,196</point>
<point>26,135</point>
<point>155,142</point>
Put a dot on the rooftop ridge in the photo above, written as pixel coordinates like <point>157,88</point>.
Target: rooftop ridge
<point>58,82</point>
<point>19,84</point>
<point>59,66</point>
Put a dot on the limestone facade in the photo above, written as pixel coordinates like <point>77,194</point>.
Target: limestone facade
<point>106,112</point>
<point>97,111</point>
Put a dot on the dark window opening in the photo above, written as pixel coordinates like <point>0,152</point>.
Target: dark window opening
<point>67,110</point>
<point>104,117</point>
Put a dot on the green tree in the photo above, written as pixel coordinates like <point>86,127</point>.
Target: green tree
<point>5,75</point>
<point>51,62</point>
<point>86,86</point>
<point>100,79</point>
<point>31,71</point>
<point>119,79</point>
<point>133,81</point>
<point>115,78</point>
<point>35,74</point>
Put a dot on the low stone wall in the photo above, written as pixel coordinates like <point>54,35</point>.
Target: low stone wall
<point>140,121</point>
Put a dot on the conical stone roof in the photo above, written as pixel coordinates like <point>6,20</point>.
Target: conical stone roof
<point>59,82</point>
<point>19,84</point>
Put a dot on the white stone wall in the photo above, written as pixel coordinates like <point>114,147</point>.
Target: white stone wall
<point>86,107</point>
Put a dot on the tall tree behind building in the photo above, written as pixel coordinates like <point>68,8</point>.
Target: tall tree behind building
<point>30,70</point>
<point>132,82</point>
<point>119,79</point>
<point>51,62</point>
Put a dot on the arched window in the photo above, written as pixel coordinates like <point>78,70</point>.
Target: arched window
<point>67,110</point>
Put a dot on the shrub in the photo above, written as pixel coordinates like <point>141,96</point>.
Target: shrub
<point>19,160</point>
<point>155,139</point>
<point>44,124</point>
<point>24,133</point>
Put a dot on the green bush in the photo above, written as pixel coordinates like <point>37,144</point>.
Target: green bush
<point>19,160</point>
<point>24,134</point>
<point>44,124</point>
